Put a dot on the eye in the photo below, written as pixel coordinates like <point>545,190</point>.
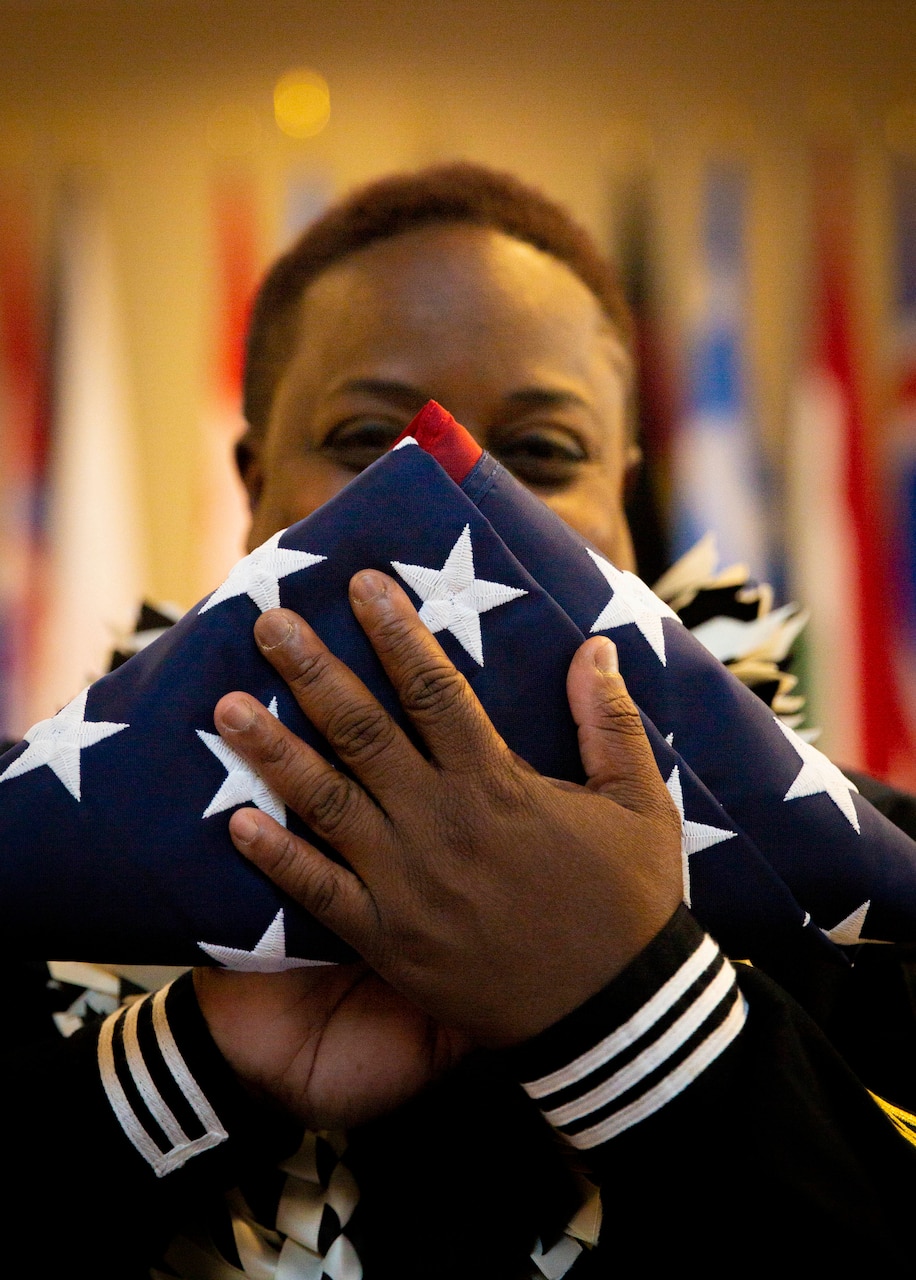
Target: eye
<point>544,457</point>
<point>357,443</point>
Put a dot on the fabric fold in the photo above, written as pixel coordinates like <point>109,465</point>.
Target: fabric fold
<point>136,862</point>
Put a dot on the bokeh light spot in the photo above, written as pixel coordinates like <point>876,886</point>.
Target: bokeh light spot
<point>302,103</point>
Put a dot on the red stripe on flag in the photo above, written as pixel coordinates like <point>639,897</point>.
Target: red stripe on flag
<point>453,447</point>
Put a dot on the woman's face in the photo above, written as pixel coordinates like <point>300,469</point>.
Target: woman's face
<point>503,336</point>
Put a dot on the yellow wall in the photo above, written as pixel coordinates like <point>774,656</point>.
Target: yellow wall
<point>570,93</point>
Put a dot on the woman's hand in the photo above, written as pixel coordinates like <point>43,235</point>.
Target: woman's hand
<point>335,1046</point>
<point>491,898</point>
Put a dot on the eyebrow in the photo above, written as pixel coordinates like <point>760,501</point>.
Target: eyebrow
<point>415,398</point>
<point>547,398</point>
<point>387,389</point>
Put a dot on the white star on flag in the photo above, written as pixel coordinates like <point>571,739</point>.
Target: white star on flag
<point>632,601</point>
<point>241,784</point>
<point>695,836</point>
<point>58,742</point>
<point>820,775</point>
<point>258,574</point>
<point>848,933</point>
<point>453,599</point>
<point>269,954</point>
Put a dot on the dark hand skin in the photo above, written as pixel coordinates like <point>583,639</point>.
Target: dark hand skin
<point>487,901</point>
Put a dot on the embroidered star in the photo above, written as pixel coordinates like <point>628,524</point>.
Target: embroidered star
<point>817,775</point>
<point>695,836</point>
<point>58,742</point>
<point>268,956</point>
<point>632,601</point>
<point>848,933</point>
<point>258,574</point>
<point>241,784</point>
<point>453,599</point>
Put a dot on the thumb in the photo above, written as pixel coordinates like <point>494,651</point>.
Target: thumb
<point>615,751</point>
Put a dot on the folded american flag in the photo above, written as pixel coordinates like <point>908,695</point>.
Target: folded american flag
<point>114,814</point>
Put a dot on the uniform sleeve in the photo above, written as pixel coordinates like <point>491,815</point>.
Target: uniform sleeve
<point>121,1132</point>
<point>715,1115</point>
<point>719,1123</point>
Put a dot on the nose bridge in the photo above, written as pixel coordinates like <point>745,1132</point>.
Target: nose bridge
<point>466,382</point>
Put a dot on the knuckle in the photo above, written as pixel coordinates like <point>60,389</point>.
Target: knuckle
<point>329,802</point>
<point>427,681</point>
<point>274,749</point>
<point>321,889</point>
<point>283,850</point>
<point>395,634</point>
<point>620,714</point>
<point>308,668</point>
<point>358,733</point>
<point>430,687</point>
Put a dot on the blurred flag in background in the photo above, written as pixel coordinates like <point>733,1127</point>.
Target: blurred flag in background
<point>902,432</point>
<point>23,446</point>
<point>308,193</point>
<point>221,507</point>
<point>237,265</point>
<point>839,547</point>
<point>718,479</point>
<point>94,579</point>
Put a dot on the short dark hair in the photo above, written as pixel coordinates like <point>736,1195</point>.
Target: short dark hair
<point>460,192</point>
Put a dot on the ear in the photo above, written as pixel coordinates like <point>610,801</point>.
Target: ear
<point>248,460</point>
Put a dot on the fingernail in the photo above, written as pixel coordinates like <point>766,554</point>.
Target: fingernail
<point>604,656</point>
<point>368,585</point>
<point>272,630</point>
<point>237,715</point>
<point>244,826</point>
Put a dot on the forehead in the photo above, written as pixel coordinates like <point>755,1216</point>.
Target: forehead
<point>442,294</point>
